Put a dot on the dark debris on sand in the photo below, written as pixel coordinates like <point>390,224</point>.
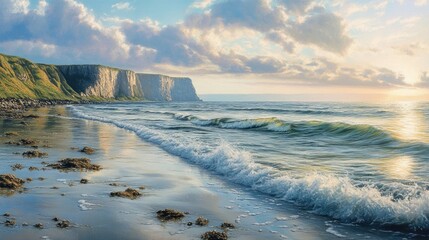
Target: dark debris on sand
<point>63,224</point>
<point>9,181</point>
<point>87,150</point>
<point>214,235</point>
<point>227,225</point>
<point>10,134</point>
<point>31,168</point>
<point>17,166</point>
<point>201,221</point>
<point>38,225</point>
<point>24,141</point>
<point>75,164</point>
<point>169,215</point>
<point>34,154</point>
<point>84,181</point>
<point>10,223</point>
<point>128,193</point>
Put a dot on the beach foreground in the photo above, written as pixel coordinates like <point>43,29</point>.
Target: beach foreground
<point>165,182</point>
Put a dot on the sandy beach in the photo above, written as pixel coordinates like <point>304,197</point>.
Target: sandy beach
<point>165,182</point>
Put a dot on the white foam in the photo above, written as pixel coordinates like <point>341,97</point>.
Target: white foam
<point>85,205</point>
<point>324,194</point>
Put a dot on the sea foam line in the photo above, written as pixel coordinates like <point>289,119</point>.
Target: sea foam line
<point>325,194</point>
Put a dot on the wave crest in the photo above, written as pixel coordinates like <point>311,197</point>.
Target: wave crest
<point>334,196</point>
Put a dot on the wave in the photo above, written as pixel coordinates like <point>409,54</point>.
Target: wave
<point>309,111</point>
<point>330,195</point>
<point>363,133</point>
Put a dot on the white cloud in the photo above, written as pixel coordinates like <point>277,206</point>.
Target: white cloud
<point>232,37</point>
<point>202,4</point>
<point>420,2</point>
<point>122,6</point>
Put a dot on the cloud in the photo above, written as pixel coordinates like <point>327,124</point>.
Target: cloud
<point>201,4</point>
<point>298,7</point>
<point>324,30</point>
<point>67,32</point>
<point>319,28</point>
<point>410,49</point>
<point>420,2</point>
<point>424,80</point>
<point>122,6</point>
<point>67,26</point>
<point>171,43</point>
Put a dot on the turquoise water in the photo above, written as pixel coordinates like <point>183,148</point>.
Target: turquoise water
<point>358,163</point>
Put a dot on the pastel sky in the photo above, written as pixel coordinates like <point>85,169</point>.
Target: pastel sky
<point>366,49</point>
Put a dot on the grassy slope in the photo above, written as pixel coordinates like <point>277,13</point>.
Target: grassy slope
<point>20,78</point>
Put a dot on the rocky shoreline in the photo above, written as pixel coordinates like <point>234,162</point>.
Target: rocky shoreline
<point>13,108</point>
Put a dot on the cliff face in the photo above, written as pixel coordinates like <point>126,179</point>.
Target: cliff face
<point>100,81</point>
<point>20,78</point>
<point>164,88</point>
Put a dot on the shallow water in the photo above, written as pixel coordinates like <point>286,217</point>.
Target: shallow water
<point>356,163</point>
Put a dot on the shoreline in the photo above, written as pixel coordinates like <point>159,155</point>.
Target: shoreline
<point>127,160</point>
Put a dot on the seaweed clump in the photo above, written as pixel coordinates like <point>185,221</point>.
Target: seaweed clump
<point>128,193</point>
<point>87,150</point>
<point>9,181</point>
<point>75,164</point>
<point>63,224</point>
<point>169,215</point>
<point>214,235</point>
<point>24,141</point>
<point>226,225</point>
<point>201,221</point>
<point>34,154</point>
<point>17,166</point>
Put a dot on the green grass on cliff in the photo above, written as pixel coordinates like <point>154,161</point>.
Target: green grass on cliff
<point>20,78</point>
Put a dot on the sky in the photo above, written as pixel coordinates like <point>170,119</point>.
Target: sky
<point>345,50</point>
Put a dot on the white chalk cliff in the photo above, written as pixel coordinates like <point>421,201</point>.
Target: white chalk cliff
<point>164,88</point>
<point>106,82</point>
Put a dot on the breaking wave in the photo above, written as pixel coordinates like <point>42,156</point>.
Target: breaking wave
<point>337,197</point>
<point>363,133</point>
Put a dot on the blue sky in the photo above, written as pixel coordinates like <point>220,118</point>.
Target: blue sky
<point>369,47</point>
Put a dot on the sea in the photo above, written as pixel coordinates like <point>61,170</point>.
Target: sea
<point>357,163</point>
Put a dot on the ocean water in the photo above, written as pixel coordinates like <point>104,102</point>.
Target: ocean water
<point>357,163</point>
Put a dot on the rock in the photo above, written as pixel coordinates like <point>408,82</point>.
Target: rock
<point>63,224</point>
<point>84,181</point>
<point>128,193</point>
<point>226,225</point>
<point>169,215</point>
<point>75,164</point>
<point>34,154</point>
<point>201,221</point>
<point>31,168</point>
<point>189,224</point>
<point>24,141</point>
<point>214,235</point>
<point>9,134</point>
<point>31,116</point>
<point>38,225</point>
<point>6,215</point>
<point>17,166</point>
<point>10,223</point>
<point>55,219</point>
<point>9,181</point>
<point>87,150</point>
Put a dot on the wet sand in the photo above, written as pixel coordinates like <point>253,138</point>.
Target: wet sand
<point>127,161</point>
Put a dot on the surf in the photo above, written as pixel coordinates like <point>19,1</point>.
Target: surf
<point>324,194</point>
